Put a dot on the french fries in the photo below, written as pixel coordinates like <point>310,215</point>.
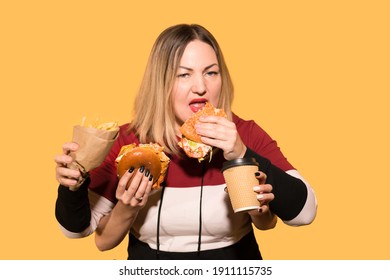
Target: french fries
<point>109,126</point>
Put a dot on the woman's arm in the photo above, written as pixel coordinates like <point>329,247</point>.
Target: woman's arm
<point>79,212</point>
<point>132,194</point>
<point>309,210</point>
<point>72,208</point>
<point>114,227</point>
<point>294,201</point>
<point>263,218</point>
<point>293,198</point>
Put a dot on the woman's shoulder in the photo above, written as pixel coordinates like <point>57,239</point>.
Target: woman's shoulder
<point>244,125</point>
<point>257,139</point>
<point>127,135</point>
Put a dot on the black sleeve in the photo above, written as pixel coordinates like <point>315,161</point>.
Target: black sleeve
<point>290,192</point>
<point>72,209</point>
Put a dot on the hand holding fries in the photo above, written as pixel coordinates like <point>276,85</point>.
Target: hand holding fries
<point>94,142</point>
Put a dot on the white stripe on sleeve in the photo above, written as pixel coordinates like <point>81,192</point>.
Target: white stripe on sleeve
<point>309,210</point>
<point>100,206</point>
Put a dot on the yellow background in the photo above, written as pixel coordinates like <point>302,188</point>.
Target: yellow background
<point>314,74</point>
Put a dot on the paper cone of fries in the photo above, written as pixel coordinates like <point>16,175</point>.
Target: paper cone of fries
<point>94,144</point>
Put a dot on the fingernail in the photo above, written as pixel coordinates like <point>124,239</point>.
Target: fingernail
<point>257,173</point>
<point>147,173</point>
<point>141,169</point>
<point>260,196</point>
<point>150,177</point>
<point>131,169</point>
<point>256,188</point>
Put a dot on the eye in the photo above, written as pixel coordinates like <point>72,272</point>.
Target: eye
<point>183,75</point>
<point>212,73</point>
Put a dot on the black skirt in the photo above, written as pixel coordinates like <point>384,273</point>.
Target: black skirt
<point>245,249</point>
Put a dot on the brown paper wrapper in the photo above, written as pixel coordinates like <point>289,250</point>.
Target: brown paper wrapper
<point>94,145</point>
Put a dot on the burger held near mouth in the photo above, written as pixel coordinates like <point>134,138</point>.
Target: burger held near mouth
<point>191,142</point>
<point>160,185</point>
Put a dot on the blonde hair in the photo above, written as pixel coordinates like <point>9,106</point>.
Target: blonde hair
<point>154,117</point>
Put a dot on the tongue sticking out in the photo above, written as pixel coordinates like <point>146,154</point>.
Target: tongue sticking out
<point>195,107</point>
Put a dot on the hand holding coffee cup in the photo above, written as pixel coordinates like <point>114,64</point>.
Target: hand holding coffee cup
<point>263,193</point>
<point>240,179</point>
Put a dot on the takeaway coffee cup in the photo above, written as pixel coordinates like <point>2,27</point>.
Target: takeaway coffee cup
<point>240,179</point>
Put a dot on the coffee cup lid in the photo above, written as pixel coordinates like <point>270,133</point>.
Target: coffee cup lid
<point>237,162</point>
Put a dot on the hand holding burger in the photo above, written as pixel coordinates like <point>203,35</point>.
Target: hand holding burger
<point>149,156</point>
<point>218,131</point>
<point>191,142</point>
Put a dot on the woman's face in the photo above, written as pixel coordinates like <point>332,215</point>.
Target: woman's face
<point>197,81</point>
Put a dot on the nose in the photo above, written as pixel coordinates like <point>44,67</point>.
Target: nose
<point>198,85</point>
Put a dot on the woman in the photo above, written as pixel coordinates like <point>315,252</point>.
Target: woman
<point>191,217</point>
